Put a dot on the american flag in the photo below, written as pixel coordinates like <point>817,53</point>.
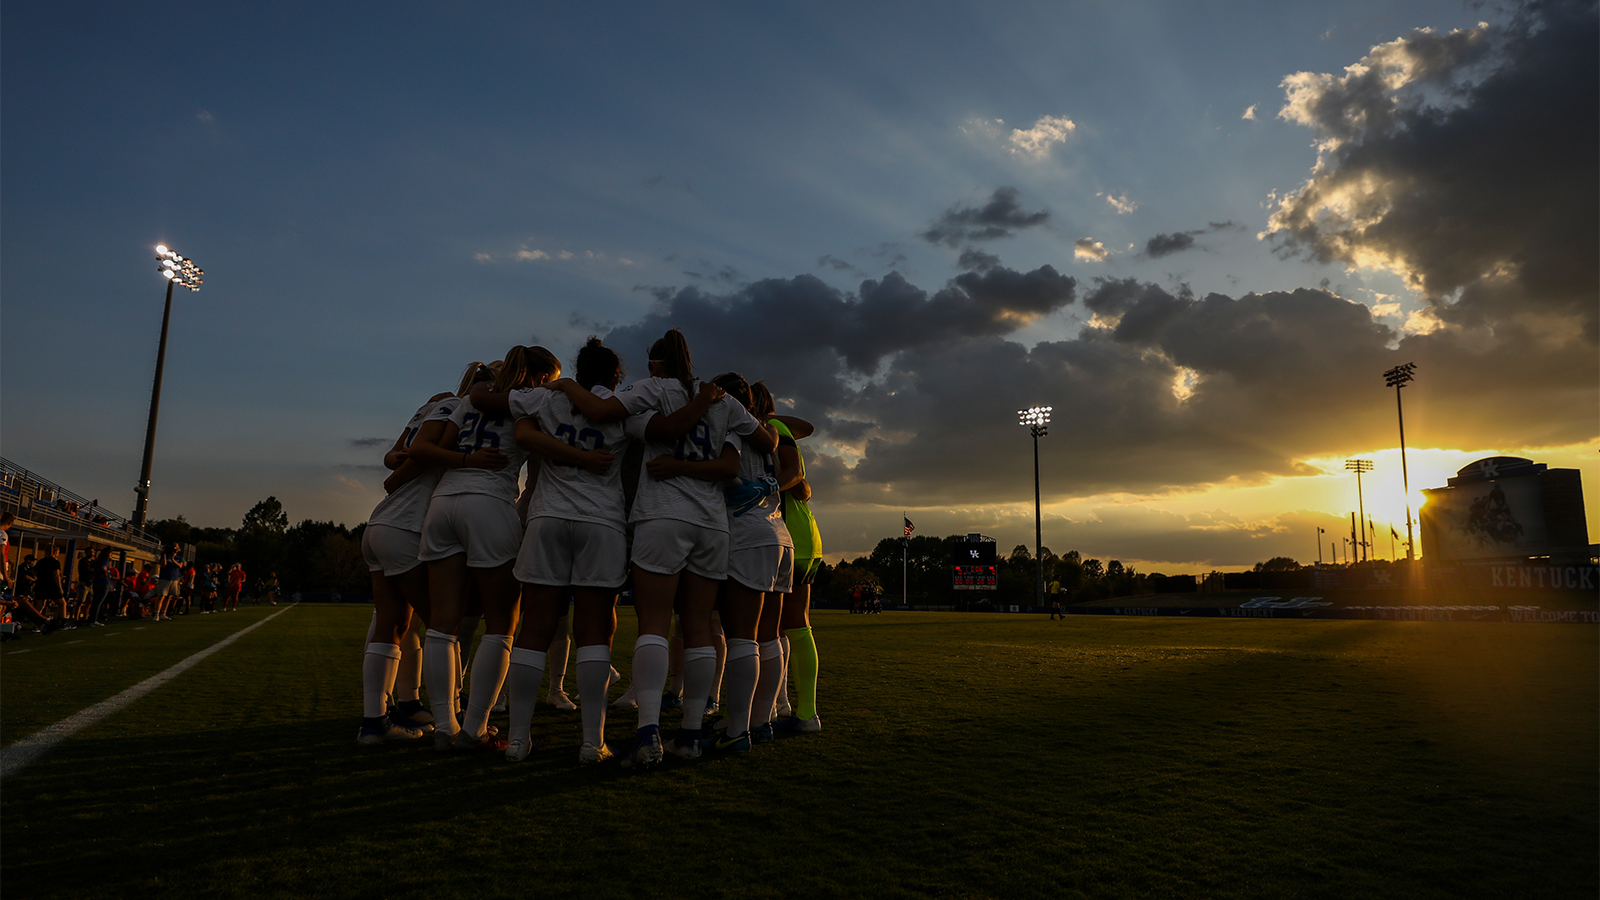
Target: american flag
<point>909,527</point>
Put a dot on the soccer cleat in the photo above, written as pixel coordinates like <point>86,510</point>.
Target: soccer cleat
<point>517,751</point>
<point>560,700</point>
<point>489,742</point>
<point>389,731</point>
<point>686,745</point>
<point>646,751</point>
<point>761,734</point>
<point>735,743</point>
<point>797,725</point>
<point>671,701</point>
<point>412,711</point>
<point>711,707</point>
<point>590,753</point>
<point>444,742</point>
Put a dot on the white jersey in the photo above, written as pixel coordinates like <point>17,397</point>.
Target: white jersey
<point>477,430</point>
<point>408,505</point>
<point>761,525</point>
<point>571,492</point>
<point>692,500</point>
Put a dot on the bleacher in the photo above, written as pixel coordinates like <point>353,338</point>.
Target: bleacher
<point>48,512</point>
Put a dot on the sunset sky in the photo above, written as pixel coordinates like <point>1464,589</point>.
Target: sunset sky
<point>1200,231</point>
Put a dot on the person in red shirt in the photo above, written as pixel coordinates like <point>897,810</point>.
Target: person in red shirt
<point>235,587</point>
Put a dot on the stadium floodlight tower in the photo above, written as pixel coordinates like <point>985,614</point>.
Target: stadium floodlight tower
<point>1397,378</point>
<point>1358,466</point>
<point>177,270</point>
<point>1037,418</point>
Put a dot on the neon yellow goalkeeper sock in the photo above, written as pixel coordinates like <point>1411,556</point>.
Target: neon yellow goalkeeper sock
<point>803,668</point>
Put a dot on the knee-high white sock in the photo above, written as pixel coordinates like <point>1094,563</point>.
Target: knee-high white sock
<point>784,707</point>
<point>649,676</point>
<point>594,680</point>
<point>699,668</point>
<point>372,628</point>
<point>560,649</point>
<point>408,677</point>
<point>762,706</point>
<point>469,627</point>
<point>439,670</point>
<point>741,671</point>
<point>488,672</point>
<point>377,676</point>
<point>527,670</point>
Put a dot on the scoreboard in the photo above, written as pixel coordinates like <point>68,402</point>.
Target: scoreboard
<point>974,566</point>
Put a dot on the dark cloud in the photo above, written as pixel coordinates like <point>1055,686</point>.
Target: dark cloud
<point>712,272</point>
<point>834,263</point>
<point>1163,244</point>
<point>816,338</point>
<point>1001,217</point>
<point>974,260</point>
<point>1465,162</point>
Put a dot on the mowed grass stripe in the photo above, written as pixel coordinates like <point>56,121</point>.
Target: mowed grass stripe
<point>65,671</point>
<point>15,756</point>
<point>962,755</point>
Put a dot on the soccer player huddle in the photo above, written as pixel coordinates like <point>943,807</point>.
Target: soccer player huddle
<point>711,524</point>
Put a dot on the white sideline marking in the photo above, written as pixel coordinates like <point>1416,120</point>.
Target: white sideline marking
<point>30,748</point>
<point>15,652</point>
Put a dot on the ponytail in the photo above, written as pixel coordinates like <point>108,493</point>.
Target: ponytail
<point>672,351</point>
<point>762,405</point>
<point>524,367</point>
<point>474,373</point>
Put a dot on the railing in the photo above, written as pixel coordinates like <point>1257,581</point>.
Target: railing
<point>39,500</point>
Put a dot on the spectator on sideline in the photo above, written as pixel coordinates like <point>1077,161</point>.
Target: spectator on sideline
<point>166,590</point>
<point>47,587</point>
<point>5,548</point>
<point>25,577</point>
<point>100,578</point>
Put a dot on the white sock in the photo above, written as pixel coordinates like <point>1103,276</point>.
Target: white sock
<point>527,670</point>
<point>594,680</point>
<point>649,676</point>
<point>408,677</point>
<point>439,653</point>
<point>560,649</point>
<point>488,673</point>
<point>699,670</point>
<point>784,707</point>
<point>741,670</point>
<point>377,676</point>
<point>766,698</point>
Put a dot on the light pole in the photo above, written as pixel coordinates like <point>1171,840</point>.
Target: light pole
<point>1397,378</point>
<point>177,270</point>
<point>1319,545</point>
<point>1037,418</point>
<point>1358,466</point>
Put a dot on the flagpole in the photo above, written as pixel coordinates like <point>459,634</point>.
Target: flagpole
<point>905,541</point>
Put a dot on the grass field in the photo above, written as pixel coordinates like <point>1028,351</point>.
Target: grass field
<point>963,755</point>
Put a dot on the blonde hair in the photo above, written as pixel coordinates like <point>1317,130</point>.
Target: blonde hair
<point>524,366</point>
<point>475,373</point>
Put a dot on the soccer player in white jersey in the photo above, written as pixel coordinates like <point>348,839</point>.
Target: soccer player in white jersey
<point>472,532</point>
<point>760,565</point>
<point>680,536</point>
<point>399,580</point>
<point>575,545</point>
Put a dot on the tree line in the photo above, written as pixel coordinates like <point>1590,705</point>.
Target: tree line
<point>310,556</point>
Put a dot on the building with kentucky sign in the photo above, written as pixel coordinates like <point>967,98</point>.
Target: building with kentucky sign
<point>1505,521</point>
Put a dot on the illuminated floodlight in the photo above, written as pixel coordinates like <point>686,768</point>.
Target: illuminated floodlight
<point>1035,417</point>
<point>177,269</point>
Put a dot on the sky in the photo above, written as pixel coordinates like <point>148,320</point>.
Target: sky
<point>1200,232</point>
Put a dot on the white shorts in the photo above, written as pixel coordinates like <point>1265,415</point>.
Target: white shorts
<point>167,587</point>
<point>769,569</point>
<point>390,550</point>
<point>562,552</point>
<point>484,527</point>
<point>668,546</point>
